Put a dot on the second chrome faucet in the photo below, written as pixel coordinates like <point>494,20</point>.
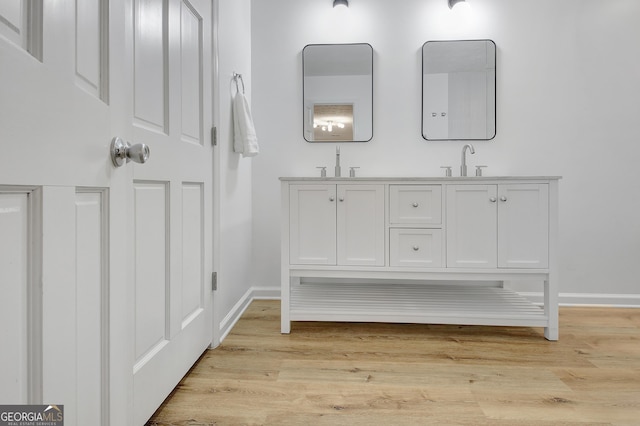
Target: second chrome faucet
<point>463,158</point>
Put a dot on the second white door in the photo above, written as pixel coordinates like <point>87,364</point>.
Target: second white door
<point>169,232</point>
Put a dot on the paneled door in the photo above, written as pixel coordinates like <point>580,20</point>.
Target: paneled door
<point>58,206</point>
<point>170,206</point>
<point>104,270</point>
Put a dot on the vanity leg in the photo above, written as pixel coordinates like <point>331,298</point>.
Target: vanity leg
<point>551,284</point>
<point>285,292</point>
<point>551,332</point>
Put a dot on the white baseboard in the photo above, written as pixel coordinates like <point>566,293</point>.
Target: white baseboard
<point>589,299</point>
<point>254,293</point>
<point>266,293</point>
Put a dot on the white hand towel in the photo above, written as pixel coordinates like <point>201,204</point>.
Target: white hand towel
<point>245,141</point>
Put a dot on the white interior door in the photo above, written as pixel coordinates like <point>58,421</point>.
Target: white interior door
<point>435,110</point>
<point>55,206</point>
<point>103,270</point>
<point>169,234</point>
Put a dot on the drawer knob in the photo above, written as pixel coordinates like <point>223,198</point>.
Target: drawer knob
<point>416,248</point>
<point>331,199</point>
<point>492,199</point>
<point>503,198</point>
<point>415,204</point>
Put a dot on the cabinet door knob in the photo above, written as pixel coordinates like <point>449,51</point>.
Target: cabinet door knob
<point>341,199</point>
<point>493,199</point>
<point>331,199</point>
<point>415,204</point>
<point>503,198</point>
<point>416,248</point>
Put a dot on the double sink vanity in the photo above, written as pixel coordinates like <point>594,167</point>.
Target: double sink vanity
<point>432,250</point>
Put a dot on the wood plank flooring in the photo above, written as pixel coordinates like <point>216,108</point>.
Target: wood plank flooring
<point>413,374</point>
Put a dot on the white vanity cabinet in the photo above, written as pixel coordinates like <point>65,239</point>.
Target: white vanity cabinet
<point>336,224</point>
<point>423,250</point>
<point>498,226</point>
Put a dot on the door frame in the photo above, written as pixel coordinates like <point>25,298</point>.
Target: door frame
<point>215,110</point>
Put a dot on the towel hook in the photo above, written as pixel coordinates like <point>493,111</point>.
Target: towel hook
<point>237,77</point>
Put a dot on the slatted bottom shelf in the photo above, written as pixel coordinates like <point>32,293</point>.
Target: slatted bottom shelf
<point>413,303</point>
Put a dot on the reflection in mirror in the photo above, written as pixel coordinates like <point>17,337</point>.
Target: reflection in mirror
<point>338,92</point>
<point>333,122</point>
<point>459,90</point>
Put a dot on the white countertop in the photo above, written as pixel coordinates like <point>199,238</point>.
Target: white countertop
<point>422,179</point>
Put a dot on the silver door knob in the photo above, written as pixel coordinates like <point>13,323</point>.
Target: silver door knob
<point>122,152</point>
<point>493,199</point>
<point>415,204</point>
<point>503,198</point>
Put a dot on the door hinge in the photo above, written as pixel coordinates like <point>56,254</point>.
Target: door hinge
<point>214,281</point>
<point>214,136</point>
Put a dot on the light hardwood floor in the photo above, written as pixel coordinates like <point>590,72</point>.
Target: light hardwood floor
<point>410,374</point>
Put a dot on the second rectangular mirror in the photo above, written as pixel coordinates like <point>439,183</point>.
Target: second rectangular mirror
<point>459,90</point>
<point>337,92</point>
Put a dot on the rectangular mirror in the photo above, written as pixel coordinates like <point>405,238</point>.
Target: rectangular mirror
<point>459,90</point>
<point>337,92</point>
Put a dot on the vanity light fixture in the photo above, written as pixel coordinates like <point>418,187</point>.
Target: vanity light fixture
<point>344,3</point>
<point>453,3</point>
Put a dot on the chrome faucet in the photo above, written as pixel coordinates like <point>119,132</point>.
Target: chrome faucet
<point>463,158</point>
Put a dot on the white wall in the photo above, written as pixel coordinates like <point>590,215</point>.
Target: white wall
<point>568,100</point>
<point>234,253</point>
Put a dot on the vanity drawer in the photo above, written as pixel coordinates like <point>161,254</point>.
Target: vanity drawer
<point>415,204</point>
<point>419,248</point>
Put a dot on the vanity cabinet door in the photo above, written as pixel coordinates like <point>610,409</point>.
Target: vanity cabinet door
<point>472,226</point>
<point>312,224</point>
<point>360,225</point>
<point>523,226</point>
<point>498,226</point>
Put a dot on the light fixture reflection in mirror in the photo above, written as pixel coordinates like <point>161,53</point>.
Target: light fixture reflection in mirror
<point>333,122</point>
